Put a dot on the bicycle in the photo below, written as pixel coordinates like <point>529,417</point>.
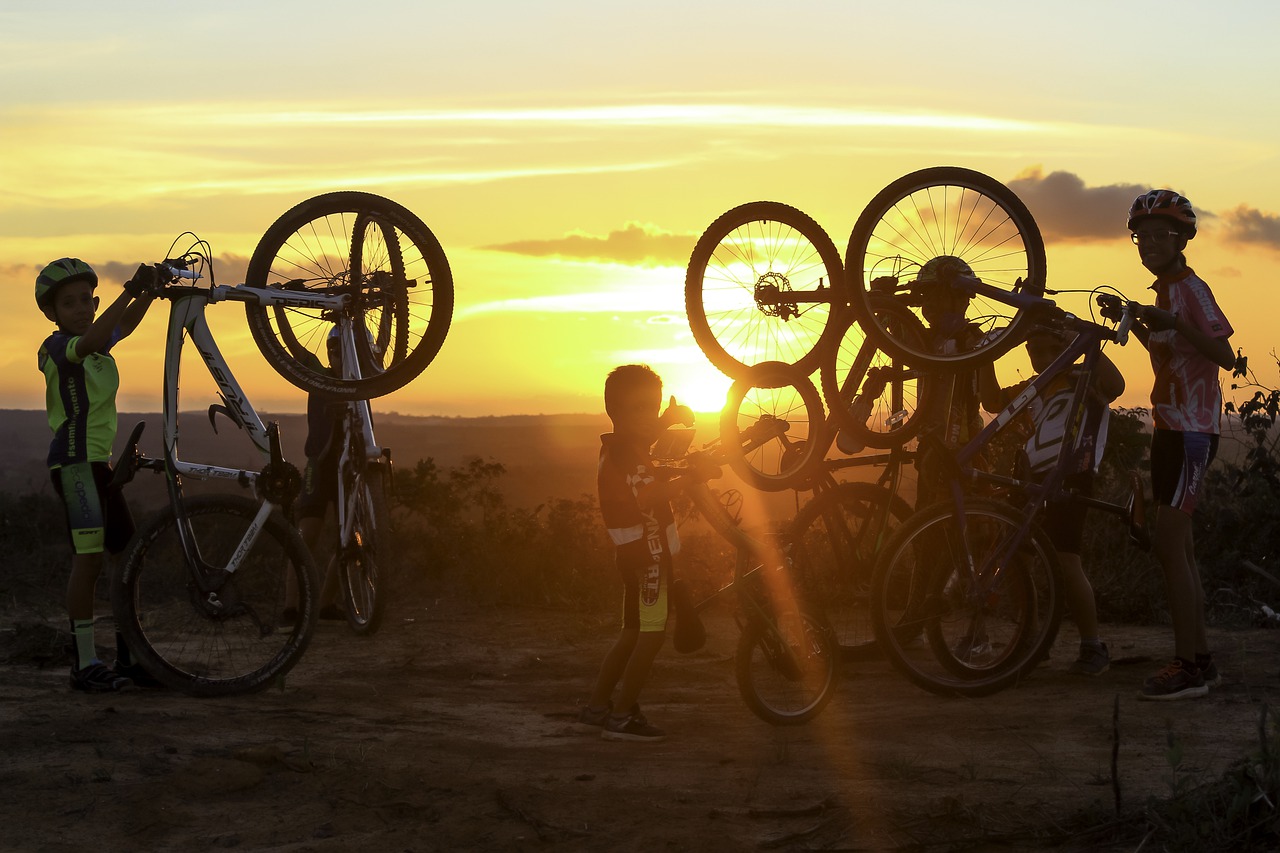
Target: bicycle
<point>758,277</point>
<point>200,595</point>
<point>785,662</point>
<point>978,578</point>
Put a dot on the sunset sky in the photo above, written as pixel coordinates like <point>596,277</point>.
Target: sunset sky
<point>568,154</point>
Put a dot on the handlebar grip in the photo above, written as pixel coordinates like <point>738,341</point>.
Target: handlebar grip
<point>177,272</point>
<point>1127,319</point>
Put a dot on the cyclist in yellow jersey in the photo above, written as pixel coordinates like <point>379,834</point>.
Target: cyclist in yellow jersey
<point>80,396</point>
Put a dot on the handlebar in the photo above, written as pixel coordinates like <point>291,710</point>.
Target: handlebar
<point>893,287</point>
<point>1128,314</point>
<point>1125,312</point>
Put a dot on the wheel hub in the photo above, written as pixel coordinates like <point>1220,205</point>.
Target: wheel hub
<point>770,297</point>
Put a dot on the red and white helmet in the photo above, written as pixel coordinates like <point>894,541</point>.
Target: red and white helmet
<point>1167,204</point>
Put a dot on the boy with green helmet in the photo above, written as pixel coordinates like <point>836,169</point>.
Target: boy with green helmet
<point>81,381</point>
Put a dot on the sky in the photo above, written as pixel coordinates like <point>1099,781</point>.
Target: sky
<point>568,154</point>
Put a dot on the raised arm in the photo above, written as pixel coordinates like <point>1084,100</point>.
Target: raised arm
<point>133,314</point>
<point>98,336</point>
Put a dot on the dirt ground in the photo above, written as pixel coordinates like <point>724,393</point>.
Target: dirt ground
<point>454,728</point>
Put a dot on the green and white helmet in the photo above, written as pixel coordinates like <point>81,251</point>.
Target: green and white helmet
<point>943,268</point>
<point>60,272</point>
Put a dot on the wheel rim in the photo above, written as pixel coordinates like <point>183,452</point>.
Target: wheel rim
<point>760,288</point>
<point>772,427</point>
<point>956,213</point>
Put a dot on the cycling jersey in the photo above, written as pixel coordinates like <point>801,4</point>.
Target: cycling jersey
<point>645,541</point>
<point>1186,396</point>
<point>1050,413</point>
<point>80,399</point>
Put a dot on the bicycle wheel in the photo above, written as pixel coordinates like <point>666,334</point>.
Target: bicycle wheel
<point>878,399</point>
<point>834,539</point>
<point>773,427</point>
<point>361,562</point>
<point>199,628</point>
<point>988,603</point>
<point>384,259</point>
<point>786,665</point>
<point>762,285</point>
<point>951,217</point>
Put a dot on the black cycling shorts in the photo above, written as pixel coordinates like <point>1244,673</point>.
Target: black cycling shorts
<point>1178,463</point>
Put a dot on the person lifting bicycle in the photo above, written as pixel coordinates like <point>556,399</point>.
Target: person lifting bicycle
<point>323,450</point>
<point>954,418</point>
<point>636,509</point>
<point>1063,519</point>
<point>81,381</point>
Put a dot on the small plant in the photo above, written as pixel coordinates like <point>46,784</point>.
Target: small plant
<point>1236,812</point>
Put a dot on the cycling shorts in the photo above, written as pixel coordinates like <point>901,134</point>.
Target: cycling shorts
<point>98,518</point>
<point>1178,463</point>
<point>1063,520</point>
<point>644,597</point>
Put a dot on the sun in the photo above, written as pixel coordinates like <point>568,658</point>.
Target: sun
<point>700,387</point>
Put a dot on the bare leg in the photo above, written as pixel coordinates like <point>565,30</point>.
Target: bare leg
<point>1080,599</point>
<point>611,670</point>
<point>1174,547</point>
<point>1202,640</point>
<point>638,666</point>
<point>85,569</point>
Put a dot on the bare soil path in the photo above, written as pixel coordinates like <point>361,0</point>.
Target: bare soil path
<point>454,728</point>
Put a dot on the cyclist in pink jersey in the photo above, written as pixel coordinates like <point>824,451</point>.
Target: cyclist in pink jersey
<point>1188,339</point>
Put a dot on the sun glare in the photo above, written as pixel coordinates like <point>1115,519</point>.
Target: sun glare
<point>701,388</point>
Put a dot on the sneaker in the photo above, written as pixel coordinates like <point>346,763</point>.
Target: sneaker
<point>1175,681</point>
<point>1208,670</point>
<point>1093,660</point>
<point>98,678</point>
<point>631,726</point>
<point>138,674</point>
<point>589,716</point>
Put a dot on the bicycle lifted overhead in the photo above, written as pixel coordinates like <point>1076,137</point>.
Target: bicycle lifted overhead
<point>977,577</point>
<point>201,594</point>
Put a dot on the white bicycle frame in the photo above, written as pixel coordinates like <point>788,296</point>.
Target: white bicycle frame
<point>187,318</point>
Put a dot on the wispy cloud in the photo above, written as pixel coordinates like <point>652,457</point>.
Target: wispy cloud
<point>709,114</point>
<point>637,244</point>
